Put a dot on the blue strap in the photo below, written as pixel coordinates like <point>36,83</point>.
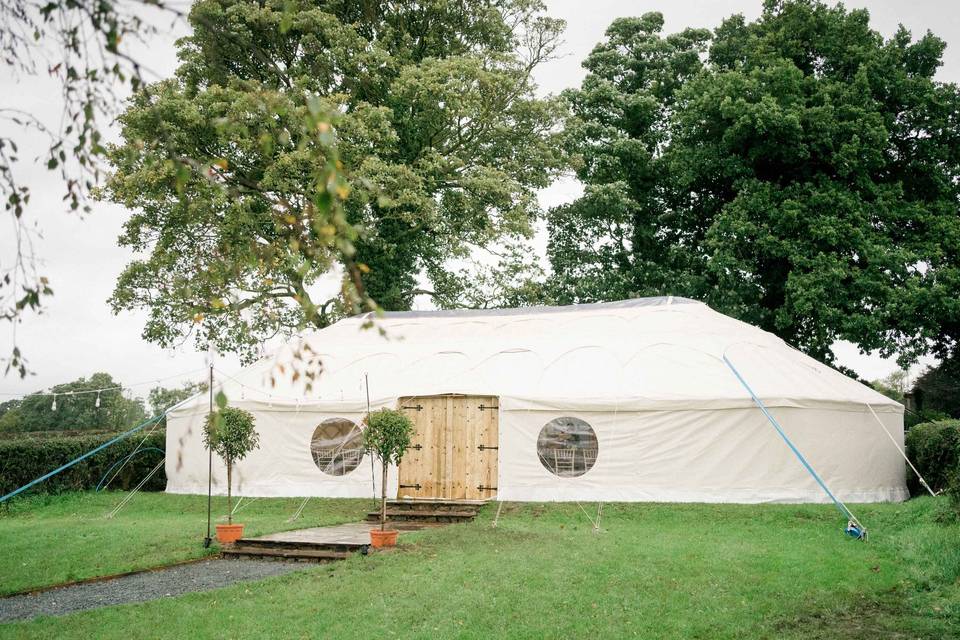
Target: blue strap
<point>120,437</point>
<point>840,506</point>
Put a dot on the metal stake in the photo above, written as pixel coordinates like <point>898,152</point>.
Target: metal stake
<point>208,539</point>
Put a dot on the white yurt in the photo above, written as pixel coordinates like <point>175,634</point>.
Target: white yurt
<point>652,399</point>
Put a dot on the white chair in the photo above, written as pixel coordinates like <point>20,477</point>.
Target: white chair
<point>589,457</point>
<point>563,461</point>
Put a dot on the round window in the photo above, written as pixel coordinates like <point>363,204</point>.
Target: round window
<point>337,446</point>
<point>567,447</point>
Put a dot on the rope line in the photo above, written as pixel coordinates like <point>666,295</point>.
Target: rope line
<point>101,485</point>
<point>296,516</point>
<point>776,425</point>
<point>66,466</point>
<point>88,391</point>
<point>130,457</point>
<point>901,451</point>
<point>130,495</point>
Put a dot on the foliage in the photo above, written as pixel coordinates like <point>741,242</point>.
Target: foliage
<point>433,117</point>
<point>229,432</point>
<point>24,458</point>
<point>760,571</point>
<point>76,408</point>
<point>387,435</point>
<point>934,447</point>
<point>9,405</point>
<point>894,386</point>
<point>49,540</point>
<point>938,389</point>
<point>798,172</point>
<point>83,46</point>
<point>161,398</point>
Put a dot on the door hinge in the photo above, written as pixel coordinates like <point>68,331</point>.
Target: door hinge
<point>484,447</point>
<point>411,486</point>
<point>418,407</point>
<point>483,488</point>
<point>416,446</point>
<point>483,407</point>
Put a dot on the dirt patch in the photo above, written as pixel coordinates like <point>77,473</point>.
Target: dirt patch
<point>887,616</point>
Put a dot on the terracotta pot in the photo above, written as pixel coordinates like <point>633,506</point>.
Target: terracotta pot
<point>380,539</point>
<point>229,533</point>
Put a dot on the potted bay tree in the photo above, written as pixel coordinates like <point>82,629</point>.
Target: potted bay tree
<point>387,436</point>
<point>230,434</point>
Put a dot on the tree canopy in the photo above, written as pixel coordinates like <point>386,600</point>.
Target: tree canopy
<point>799,172</point>
<point>937,390</point>
<point>75,407</point>
<point>440,145</point>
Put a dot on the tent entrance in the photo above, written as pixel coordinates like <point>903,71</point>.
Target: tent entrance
<point>453,455</point>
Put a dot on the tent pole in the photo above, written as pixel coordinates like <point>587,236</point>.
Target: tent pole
<point>373,473</point>
<point>208,539</point>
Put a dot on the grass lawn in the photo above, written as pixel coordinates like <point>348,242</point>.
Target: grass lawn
<point>48,540</point>
<point>655,571</point>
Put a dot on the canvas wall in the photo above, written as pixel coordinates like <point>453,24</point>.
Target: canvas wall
<point>660,454</point>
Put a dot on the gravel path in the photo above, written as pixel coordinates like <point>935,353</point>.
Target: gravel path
<point>199,576</point>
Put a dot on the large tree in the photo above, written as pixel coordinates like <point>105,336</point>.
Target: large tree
<point>799,172</point>
<point>438,132</point>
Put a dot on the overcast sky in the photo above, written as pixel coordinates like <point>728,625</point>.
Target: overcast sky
<point>77,334</point>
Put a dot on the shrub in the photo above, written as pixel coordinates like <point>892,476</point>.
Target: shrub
<point>387,436</point>
<point>934,447</point>
<point>26,457</point>
<point>230,434</point>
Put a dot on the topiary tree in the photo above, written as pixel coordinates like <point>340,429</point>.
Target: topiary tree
<point>387,436</point>
<point>230,434</point>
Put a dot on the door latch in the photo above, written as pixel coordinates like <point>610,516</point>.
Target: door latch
<point>411,486</point>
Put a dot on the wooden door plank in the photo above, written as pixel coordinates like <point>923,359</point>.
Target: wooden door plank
<point>433,467</point>
<point>410,470</point>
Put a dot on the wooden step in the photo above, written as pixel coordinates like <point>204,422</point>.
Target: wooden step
<point>422,514</point>
<point>315,555</point>
<point>434,503</point>
<point>339,547</point>
<point>431,505</point>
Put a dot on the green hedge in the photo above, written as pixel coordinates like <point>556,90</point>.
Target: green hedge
<point>934,447</point>
<point>23,459</point>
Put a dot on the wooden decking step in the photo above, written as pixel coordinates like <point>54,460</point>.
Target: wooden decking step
<point>316,555</point>
<point>422,514</point>
<point>340,547</point>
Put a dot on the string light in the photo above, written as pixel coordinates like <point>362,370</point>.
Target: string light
<point>97,403</point>
<point>42,394</point>
<point>53,406</point>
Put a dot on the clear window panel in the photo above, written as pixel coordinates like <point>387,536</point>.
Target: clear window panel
<point>567,447</point>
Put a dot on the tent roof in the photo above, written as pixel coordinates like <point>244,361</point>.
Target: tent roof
<point>645,353</point>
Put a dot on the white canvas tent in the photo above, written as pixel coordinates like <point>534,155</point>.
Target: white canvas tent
<point>623,401</point>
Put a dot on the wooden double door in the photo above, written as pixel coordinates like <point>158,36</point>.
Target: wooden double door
<point>453,455</point>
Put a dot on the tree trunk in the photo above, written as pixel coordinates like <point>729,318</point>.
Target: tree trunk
<point>229,496</point>
<point>383,499</point>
